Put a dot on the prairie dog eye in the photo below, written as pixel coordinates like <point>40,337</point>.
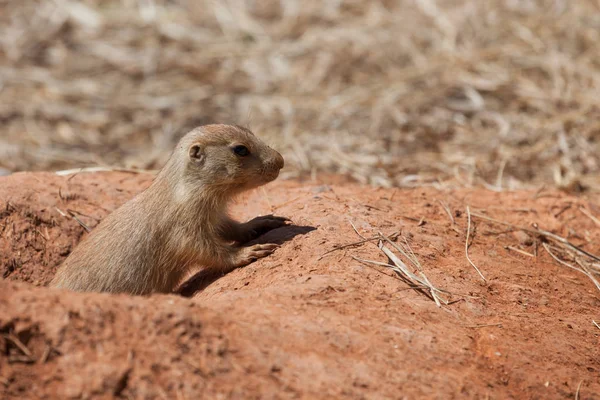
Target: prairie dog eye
<point>241,150</point>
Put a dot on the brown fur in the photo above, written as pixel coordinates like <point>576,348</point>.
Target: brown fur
<point>151,242</point>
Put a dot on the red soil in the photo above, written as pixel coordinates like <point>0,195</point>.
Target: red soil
<point>299,324</point>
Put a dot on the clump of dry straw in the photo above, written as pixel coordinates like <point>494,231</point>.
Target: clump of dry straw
<point>500,93</point>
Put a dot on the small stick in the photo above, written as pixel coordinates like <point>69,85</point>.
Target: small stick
<point>356,230</point>
<point>411,218</point>
<point>578,387</point>
<point>489,233</point>
<point>514,227</point>
<point>467,244</point>
<point>519,251</point>
<point>413,258</point>
<point>589,215</point>
<point>401,274</point>
<point>69,210</point>
<point>546,246</point>
<point>589,273</point>
<point>595,323</point>
<point>388,265</point>
<point>566,242</point>
<point>381,264</point>
<point>540,232</point>
<point>373,207</point>
<point>498,324</point>
<point>42,235</point>
<point>566,264</point>
<point>565,208</point>
<point>394,276</point>
<point>393,235</point>
<point>447,209</point>
<point>405,270</point>
<point>13,338</point>
<point>539,192</point>
<point>45,355</point>
<point>72,214</point>
<point>419,283</point>
<point>416,287</point>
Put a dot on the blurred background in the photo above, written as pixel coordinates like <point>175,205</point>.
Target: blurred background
<point>495,93</point>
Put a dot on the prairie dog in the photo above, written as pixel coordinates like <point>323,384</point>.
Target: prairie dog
<point>151,242</point>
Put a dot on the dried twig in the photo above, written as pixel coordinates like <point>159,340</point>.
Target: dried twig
<point>589,215</point>
<point>341,247</point>
<point>519,251</point>
<point>566,264</point>
<point>356,231</point>
<point>80,222</point>
<point>447,209</point>
<point>467,245</point>
<point>402,268</point>
<point>17,342</point>
<point>497,324</point>
<point>540,232</point>
<point>567,243</point>
<point>578,388</point>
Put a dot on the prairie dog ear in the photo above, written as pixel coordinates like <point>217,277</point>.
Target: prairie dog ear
<point>196,153</point>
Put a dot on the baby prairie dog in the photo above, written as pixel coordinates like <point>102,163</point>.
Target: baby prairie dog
<point>151,242</point>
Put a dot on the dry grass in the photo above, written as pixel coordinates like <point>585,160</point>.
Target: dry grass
<point>416,280</point>
<point>414,276</point>
<point>501,93</point>
<point>563,251</point>
<point>467,246</point>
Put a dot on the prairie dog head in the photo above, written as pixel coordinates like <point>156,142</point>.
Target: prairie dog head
<point>227,158</point>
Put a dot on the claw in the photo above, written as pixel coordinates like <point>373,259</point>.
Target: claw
<point>254,252</point>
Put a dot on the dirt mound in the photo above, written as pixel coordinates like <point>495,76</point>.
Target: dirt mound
<point>303,323</point>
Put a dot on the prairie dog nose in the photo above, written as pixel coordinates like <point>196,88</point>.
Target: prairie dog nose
<point>278,162</point>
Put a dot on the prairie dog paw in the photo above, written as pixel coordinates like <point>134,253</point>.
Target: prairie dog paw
<point>247,231</point>
<point>252,253</point>
<point>265,223</point>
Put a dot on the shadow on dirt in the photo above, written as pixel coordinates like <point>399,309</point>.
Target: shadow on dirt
<point>204,278</point>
